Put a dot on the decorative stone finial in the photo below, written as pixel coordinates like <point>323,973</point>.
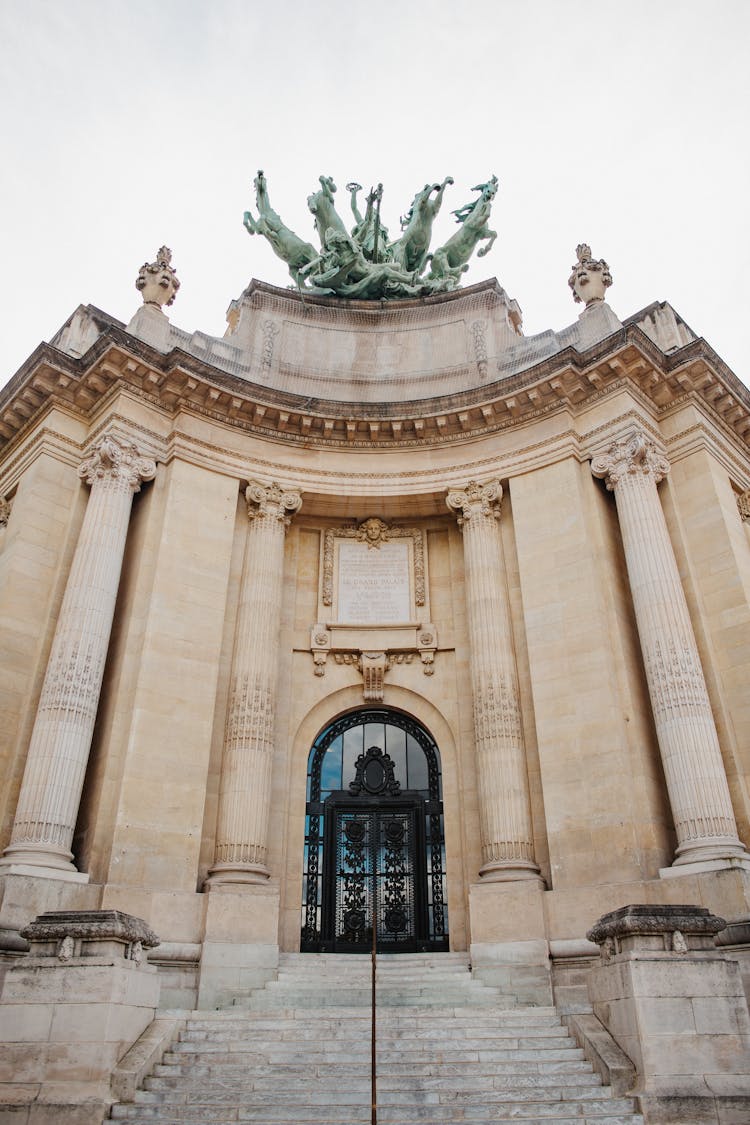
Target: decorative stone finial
<point>157,281</point>
<point>590,277</point>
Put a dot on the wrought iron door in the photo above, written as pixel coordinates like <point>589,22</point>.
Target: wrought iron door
<point>377,854</point>
<point>374,847</point>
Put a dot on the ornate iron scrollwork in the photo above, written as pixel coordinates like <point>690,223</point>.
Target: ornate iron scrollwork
<point>374,774</point>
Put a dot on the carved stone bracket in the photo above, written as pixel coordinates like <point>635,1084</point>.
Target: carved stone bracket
<point>373,664</point>
<point>320,646</point>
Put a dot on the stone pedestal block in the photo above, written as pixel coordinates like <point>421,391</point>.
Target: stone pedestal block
<point>499,912</point>
<point>240,948</point>
<point>677,1008</point>
<point>70,1011</point>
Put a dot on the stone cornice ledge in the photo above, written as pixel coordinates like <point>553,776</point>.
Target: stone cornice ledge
<point>55,925</point>
<point>655,919</point>
<point>568,379</point>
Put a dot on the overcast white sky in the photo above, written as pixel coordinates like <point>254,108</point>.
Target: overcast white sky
<point>127,124</point>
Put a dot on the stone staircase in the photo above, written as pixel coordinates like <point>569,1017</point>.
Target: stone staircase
<point>299,1051</point>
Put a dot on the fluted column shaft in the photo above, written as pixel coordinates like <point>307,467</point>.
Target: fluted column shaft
<point>504,811</point>
<point>61,739</point>
<point>685,729</point>
<point>245,791</point>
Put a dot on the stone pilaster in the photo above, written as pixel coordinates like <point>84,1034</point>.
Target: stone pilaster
<point>242,831</point>
<point>688,741</point>
<point>504,812</point>
<point>61,739</point>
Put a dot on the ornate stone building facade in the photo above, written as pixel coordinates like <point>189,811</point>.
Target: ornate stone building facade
<point>365,580</point>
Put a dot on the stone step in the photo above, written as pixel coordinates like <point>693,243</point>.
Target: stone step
<point>389,1051</point>
<point>599,1110</point>
<point>402,1017</point>
<point>388,1023</point>
<point>215,1079</point>
<point>171,1090</point>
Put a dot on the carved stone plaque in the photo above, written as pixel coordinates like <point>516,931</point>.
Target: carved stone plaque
<point>373,585</point>
<point>373,611</point>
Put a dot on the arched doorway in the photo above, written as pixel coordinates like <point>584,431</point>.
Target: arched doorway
<point>374,837</point>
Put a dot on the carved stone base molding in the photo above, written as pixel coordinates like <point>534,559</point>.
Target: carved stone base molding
<point>404,645</point>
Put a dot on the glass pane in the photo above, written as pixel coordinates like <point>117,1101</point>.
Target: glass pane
<point>418,777</point>
<point>330,772</point>
<point>395,747</point>
<point>374,735</point>
<point>352,750</point>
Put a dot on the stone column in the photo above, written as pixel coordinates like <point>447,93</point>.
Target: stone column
<point>61,739</point>
<point>504,812</point>
<point>685,728</point>
<point>245,792</point>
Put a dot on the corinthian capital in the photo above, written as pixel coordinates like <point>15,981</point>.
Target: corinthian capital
<point>117,461</point>
<point>630,456</point>
<point>272,501</point>
<point>475,498</point>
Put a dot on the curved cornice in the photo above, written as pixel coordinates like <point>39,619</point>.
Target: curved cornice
<point>180,381</point>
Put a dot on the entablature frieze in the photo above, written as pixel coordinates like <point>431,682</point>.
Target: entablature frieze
<point>565,382</point>
<point>418,491</point>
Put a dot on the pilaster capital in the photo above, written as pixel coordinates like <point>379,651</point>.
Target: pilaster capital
<point>272,501</point>
<point>743,506</point>
<point>117,461</point>
<point>630,456</point>
<point>476,499</point>
<point>4,511</point>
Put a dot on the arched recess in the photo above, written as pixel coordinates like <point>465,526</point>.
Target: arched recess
<point>374,837</point>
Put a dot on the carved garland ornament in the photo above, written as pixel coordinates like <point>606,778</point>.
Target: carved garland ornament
<point>480,347</point>
<point>373,532</point>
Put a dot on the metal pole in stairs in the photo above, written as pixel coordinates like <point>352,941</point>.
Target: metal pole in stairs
<point>373,1040</point>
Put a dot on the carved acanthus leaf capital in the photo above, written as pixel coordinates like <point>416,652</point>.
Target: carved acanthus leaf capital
<point>114,460</point>
<point>272,501</point>
<point>629,456</point>
<point>475,498</point>
<point>743,506</point>
<point>4,511</point>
